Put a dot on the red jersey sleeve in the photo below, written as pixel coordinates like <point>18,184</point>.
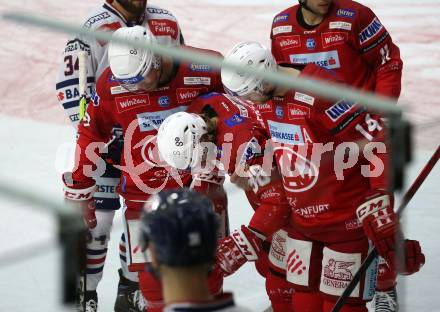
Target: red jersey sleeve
<point>350,122</point>
<point>94,131</point>
<point>377,49</point>
<point>269,201</point>
<point>281,23</point>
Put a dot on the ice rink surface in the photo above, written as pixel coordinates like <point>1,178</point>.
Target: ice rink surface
<point>33,129</point>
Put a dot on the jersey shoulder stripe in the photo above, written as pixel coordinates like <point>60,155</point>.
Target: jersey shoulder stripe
<point>71,82</point>
<point>104,15</point>
<point>155,12</point>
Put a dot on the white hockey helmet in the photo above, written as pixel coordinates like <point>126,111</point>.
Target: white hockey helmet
<point>247,53</point>
<point>131,65</point>
<point>178,139</point>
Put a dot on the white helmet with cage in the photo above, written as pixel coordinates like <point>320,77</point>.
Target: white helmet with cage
<point>178,139</point>
<point>131,65</point>
<point>248,53</point>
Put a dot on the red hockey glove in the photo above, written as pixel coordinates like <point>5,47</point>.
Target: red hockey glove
<point>414,258</point>
<point>235,250</point>
<point>381,225</point>
<point>81,196</point>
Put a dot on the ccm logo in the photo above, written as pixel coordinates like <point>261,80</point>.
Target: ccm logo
<point>244,246</point>
<point>372,207</point>
<point>78,196</point>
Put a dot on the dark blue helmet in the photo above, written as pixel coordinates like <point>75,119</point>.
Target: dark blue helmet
<point>183,227</point>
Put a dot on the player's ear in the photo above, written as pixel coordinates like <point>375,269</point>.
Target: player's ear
<point>154,262</point>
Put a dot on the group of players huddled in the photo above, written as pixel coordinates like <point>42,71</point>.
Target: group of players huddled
<point>314,170</point>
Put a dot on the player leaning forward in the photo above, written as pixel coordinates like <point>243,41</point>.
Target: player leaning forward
<point>137,92</point>
<point>111,15</point>
<point>221,133</point>
<point>337,210</point>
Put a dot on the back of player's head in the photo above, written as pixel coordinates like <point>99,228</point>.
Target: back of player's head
<point>178,139</point>
<point>183,227</point>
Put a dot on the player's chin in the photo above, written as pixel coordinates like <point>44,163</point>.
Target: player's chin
<point>323,9</point>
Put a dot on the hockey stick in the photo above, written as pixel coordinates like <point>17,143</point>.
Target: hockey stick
<point>373,253</point>
<point>82,77</point>
<point>81,243</point>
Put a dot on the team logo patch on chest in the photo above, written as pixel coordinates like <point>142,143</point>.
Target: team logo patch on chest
<point>125,103</point>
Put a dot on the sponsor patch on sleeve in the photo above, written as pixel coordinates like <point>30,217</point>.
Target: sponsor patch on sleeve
<point>282,29</point>
<point>370,31</point>
<point>347,13</point>
<point>164,27</point>
<point>280,18</point>
<point>339,109</point>
<point>234,120</point>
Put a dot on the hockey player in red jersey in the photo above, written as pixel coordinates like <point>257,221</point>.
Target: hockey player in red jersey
<point>347,37</point>
<point>111,15</point>
<point>330,156</point>
<point>341,35</point>
<point>234,136</point>
<point>137,92</point>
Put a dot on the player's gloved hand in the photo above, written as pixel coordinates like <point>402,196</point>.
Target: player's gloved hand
<point>235,250</point>
<point>414,257</point>
<point>381,225</point>
<point>81,196</point>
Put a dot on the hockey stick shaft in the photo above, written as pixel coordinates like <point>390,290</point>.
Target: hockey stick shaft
<point>80,242</point>
<point>82,78</point>
<point>373,253</point>
<point>419,180</point>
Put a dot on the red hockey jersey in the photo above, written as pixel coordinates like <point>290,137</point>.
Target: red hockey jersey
<point>351,40</point>
<point>140,115</point>
<point>324,173</point>
<point>240,133</point>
